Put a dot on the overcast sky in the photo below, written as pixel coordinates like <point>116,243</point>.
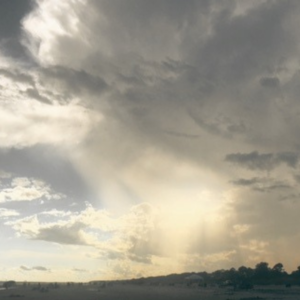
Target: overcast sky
<point>144,137</point>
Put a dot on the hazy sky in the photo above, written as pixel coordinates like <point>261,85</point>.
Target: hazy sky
<point>144,137</point>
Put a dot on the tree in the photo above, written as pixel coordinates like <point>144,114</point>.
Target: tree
<point>296,274</point>
<point>262,267</point>
<point>245,273</point>
<point>9,284</point>
<point>279,276</point>
<point>262,272</point>
<point>278,268</point>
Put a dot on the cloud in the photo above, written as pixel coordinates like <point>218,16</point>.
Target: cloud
<point>31,107</point>
<point>61,128</point>
<point>246,182</point>
<point>73,82</point>
<point>56,213</point>
<point>72,230</point>
<point>27,189</point>
<point>32,93</point>
<point>60,232</point>
<point>182,134</point>
<point>265,161</point>
<point>142,236</point>
<point>262,184</point>
<point>10,33</point>
<point>269,82</point>
<point>7,213</point>
<point>17,76</point>
<point>37,268</point>
<point>136,20</point>
<point>221,125</point>
<point>69,234</point>
<point>80,270</point>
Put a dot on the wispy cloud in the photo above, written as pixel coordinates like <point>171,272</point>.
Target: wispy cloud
<point>37,268</point>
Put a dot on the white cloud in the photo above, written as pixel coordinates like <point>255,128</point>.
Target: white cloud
<point>7,213</point>
<point>27,189</point>
<point>56,213</point>
<point>73,229</point>
<point>25,124</point>
<point>30,108</point>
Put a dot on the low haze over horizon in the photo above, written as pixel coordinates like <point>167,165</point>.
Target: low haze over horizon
<point>148,137</point>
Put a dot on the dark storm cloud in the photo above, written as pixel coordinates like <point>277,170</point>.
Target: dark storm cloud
<point>269,82</point>
<point>221,125</point>
<point>33,93</point>
<point>17,76</point>
<point>11,14</point>
<point>182,134</point>
<point>270,217</point>
<point>246,182</point>
<point>265,161</point>
<point>74,81</point>
<point>242,46</point>
<point>289,158</point>
<point>297,178</point>
<point>276,187</point>
<point>262,184</point>
<point>139,18</point>
<point>215,47</point>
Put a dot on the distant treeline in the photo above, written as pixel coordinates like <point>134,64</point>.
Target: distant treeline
<point>246,277</point>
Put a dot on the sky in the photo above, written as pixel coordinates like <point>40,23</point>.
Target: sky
<point>142,138</point>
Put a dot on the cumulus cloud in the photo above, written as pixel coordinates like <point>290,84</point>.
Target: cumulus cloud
<point>68,234</point>
<point>27,189</point>
<point>72,229</point>
<point>143,235</point>
<point>60,232</point>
